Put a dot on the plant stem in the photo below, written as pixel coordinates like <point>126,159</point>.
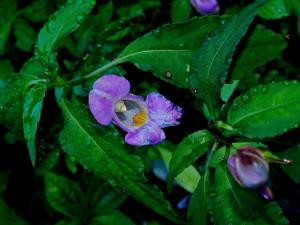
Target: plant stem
<point>93,74</point>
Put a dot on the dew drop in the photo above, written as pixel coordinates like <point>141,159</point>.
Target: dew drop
<point>234,106</point>
<point>156,33</point>
<point>194,90</point>
<point>85,166</point>
<point>112,183</point>
<point>63,141</point>
<point>264,89</point>
<point>188,68</point>
<point>246,98</point>
<point>168,74</point>
<point>254,90</point>
<point>222,22</point>
<point>79,19</point>
<point>210,35</point>
<point>212,194</point>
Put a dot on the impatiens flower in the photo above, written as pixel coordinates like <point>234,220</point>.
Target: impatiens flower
<point>110,101</point>
<point>206,7</point>
<point>248,167</point>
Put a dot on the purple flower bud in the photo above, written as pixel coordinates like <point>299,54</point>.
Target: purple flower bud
<point>248,167</point>
<point>110,101</point>
<point>206,7</point>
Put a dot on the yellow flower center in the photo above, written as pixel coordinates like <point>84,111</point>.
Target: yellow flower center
<point>139,118</point>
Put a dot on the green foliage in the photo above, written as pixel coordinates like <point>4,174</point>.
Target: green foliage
<point>189,176</point>
<point>276,9</point>
<point>267,110</point>
<point>111,217</point>
<point>181,10</point>
<point>228,89</point>
<point>232,204</point>
<point>187,152</point>
<point>292,170</point>
<point>25,35</point>
<point>67,19</point>
<point>92,145</point>
<point>168,50</point>
<point>32,108</point>
<point>262,46</point>
<point>8,216</point>
<point>65,196</point>
<point>8,12</point>
<point>211,61</point>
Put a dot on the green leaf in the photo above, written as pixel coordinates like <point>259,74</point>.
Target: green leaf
<point>11,102</point>
<point>262,46</point>
<point>168,50</point>
<point>64,21</point>
<point>212,60</point>
<point>189,177</point>
<point>293,169</point>
<point>8,216</point>
<point>187,152</point>
<point>6,69</point>
<point>3,180</point>
<point>37,11</point>
<point>92,145</point>
<point>228,89</point>
<point>276,9</point>
<point>111,217</point>
<point>197,210</point>
<point>232,204</point>
<point>32,108</point>
<point>25,35</point>
<point>181,10</point>
<point>8,12</point>
<point>267,110</point>
<point>65,196</point>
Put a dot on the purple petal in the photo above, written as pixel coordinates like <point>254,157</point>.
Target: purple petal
<point>117,87</point>
<point>252,171</point>
<point>163,111</point>
<point>206,7</point>
<point>101,106</point>
<point>150,134</point>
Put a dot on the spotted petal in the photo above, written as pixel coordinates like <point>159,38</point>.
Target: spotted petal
<point>115,86</point>
<point>150,134</point>
<point>101,106</point>
<point>163,111</point>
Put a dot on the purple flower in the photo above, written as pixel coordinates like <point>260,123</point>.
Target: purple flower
<point>206,7</point>
<point>248,167</point>
<point>110,101</point>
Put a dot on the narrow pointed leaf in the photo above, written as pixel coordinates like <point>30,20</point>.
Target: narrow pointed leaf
<point>211,61</point>
<point>188,151</point>
<point>267,110</point>
<point>97,149</point>
<point>32,107</point>
<point>292,169</point>
<point>64,21</point>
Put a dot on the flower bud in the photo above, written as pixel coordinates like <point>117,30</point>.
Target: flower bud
<point>248,167</point>
<point>206,7</point>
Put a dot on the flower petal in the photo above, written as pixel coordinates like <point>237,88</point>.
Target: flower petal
<point>163,111</point>
<point>206,7</point>
<point>117,87</point>
<point>150,134</point>
<point>101,106</point>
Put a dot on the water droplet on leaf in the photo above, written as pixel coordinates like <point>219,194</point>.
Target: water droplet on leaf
<point>264,89</point>
<point>168,74</point>
<point>286,83</point>
<point>194,90</point>
<point>63,141</point>
<point>246,98</point>
<point>156,33</point>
